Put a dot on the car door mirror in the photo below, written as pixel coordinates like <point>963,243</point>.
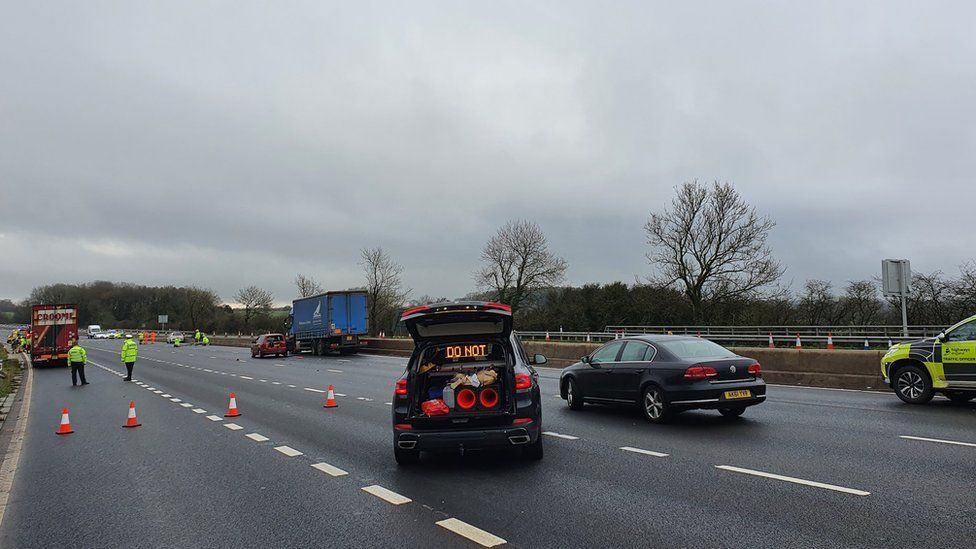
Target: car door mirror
<point>585,359</point>
<point>539,359</point>
<point>940,337</point>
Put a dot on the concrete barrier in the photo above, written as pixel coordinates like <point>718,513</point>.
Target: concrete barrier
<point>842,369</point>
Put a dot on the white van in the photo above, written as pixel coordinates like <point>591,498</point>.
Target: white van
<point>93,329</point>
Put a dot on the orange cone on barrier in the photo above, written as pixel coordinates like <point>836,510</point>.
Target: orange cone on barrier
<point>232,407</point>
<point>547,336</point>
<point>830,341</point>
<point>132,421</point>
<point>65,427</point>
<point>771,344</point>
<point>330,401</point>
<point>799,345</point>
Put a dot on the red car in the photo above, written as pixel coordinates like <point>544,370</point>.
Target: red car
<point>269,344</point>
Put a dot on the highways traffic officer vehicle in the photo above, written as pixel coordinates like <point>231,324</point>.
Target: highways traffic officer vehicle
<point>945,364</point>
<point>664,375</point>
<point>468,384</point>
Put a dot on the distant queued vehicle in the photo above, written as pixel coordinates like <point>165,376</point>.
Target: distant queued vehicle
<point>93,330</point>
<point>102,335</point>
<point>173,335</point>
<point>946,364</point>
<point>269,344</point>
<point>664,375</point>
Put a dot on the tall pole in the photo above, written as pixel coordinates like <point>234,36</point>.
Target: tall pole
<point>904,316</point>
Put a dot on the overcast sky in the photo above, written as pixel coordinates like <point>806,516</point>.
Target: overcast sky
<point>224,144</point>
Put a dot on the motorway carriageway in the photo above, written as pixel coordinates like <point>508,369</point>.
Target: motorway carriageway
<point>808,468</point>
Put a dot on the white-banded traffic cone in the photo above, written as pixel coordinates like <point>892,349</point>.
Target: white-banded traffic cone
<point>330,401</point>
<point>65,427</point>
<point>547,336</point>
<point>830,341</point>
<point>232,407</point>
<point>867,346</point>
<point>131,421</point>
<point>799,344</point>
<point>771,344</point>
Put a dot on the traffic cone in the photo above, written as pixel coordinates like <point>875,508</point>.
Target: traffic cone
<point>830,341</point>
<point>867,346</point>
<point>65,427</point>
<point>232,407</point>
<point>771,344</point>
<point>330,401</point>
<point>799,345</point>
<point>132,421</point>
<point>547,336</point>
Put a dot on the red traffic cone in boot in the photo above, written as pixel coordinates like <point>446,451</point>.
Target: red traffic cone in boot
<point>330,401</point>
<point>232,407</point>
<point>65,427</point>
<point>132,421</point>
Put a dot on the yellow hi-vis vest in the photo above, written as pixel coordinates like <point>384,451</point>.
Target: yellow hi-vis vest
<point>129,351</point>
<point>77,354</point>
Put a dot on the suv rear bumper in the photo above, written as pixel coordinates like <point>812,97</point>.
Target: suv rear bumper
<point>495,437</point>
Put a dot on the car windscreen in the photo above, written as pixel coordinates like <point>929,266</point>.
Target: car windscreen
<point>274,338</point>
<point>695,349</point>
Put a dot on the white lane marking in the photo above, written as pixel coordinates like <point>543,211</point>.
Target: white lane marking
<point>292,386</point>
<point>329,469</point>
<point>334,371</point>
<point>235,375</point>
<point>794,480</point>
<point>175,400</point>
<point>158,392</point>
<point>642,451</point>
<point>388,403</point>
<point>263,380</point>
<point>223,373</point>
<point>560,435</point>
<point>246,377</point>
<point>186,405</point>
<point>276,383</point>
<point>828,389</point>
<point>208,370</point>
<point>256,437</point>
<point>164,395</point>
<point>360,398</point>
<point>288,451</point>
<point>233,426</point>
<point>314,390</point>
<point>941,441</point>
<point>215,418</point>
<point>199,411</point>
<point>388,496</point>
<point>276,364</point>
<point>151,388</point>
<point>339,394</point>
<point>475,534</point>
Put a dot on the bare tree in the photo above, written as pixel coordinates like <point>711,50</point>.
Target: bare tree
<point>255,301</point>
<point>712,244</point>
<point>307,286</point>
<point>198,304</point>
<point>517,262</point>
<point>862,303</point>
<point>818,304</point>
<point>384,287</point>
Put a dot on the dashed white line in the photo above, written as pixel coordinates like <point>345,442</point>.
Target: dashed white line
<point>288,451</point>
<point>314,390</point>
<point>338,394</point>
<point>329,469</point>
<point>164,395</point>
<point>276,383</point>
<point>186,405</point>
<point>175,400</point>
<point>263,380</point>
<point>292,386</point>
<point>199,411</point>
<point>215,418</point>
<point>560,435</point>
<point>158,392</point>
<point>477,535</point>
<point>794,480</point>
<point>257,437</point>
<point>386,495</point>
<point>334,371</point>
<point>642,451</point>
<point>233,426</point>
<point>246,377</point>
<point>939,440</point>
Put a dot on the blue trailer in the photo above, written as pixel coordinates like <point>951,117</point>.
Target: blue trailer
<point>329,322</point>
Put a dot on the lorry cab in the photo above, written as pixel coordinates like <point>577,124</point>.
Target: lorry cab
<point>468,384</point>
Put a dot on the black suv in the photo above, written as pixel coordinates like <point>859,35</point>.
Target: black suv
<point>468,384</point>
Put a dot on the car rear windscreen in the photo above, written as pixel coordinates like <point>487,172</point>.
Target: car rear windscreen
<point>694,349</point>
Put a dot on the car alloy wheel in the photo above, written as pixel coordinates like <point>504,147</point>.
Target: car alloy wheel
<point>912,385</point>
<point>573,396</point>
<point>654,406</point>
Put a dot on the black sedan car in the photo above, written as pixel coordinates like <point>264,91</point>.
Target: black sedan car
<point>665,375</point>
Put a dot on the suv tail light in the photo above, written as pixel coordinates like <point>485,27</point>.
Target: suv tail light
<point>523,381</point>
<point>401,387</point>
<point>755,369</point>
<point>698,373</point>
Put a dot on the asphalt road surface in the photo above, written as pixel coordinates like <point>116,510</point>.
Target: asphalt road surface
<point>808,468</point>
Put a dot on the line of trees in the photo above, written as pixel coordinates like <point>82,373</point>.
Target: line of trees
<point>709,257</point>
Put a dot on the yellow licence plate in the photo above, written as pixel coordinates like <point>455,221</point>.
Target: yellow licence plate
<point>744,393</point>
<point>348,338</point>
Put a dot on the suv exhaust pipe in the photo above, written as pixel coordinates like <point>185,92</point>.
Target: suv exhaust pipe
<point>406,444</point>
<point>519,439</point>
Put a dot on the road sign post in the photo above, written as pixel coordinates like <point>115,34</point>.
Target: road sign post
<point>163,319</point>
<point>896,280</point>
